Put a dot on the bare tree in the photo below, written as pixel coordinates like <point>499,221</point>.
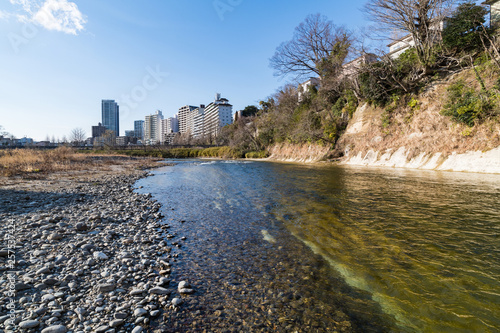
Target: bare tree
<point>183,139</point>
<point>317,46</point>
<point>108,139</point>
<point>77,136</point>
<point>3,132</point>
<point>419,18</point>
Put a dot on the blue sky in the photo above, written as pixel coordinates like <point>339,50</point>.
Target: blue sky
<point>59,58</point>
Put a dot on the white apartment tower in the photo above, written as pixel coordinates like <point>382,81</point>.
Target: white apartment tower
<point>217,114</point>
<point>153,128</point>
<point>196,117</point>
<point>169,126</point>
<point>199,124</point>
<point>186,118</point>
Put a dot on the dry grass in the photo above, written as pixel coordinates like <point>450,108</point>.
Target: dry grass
<point>30,163</point>
<point>26,162</point>
<point>425,130</point>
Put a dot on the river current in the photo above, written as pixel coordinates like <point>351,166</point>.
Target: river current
<point>287,247</point>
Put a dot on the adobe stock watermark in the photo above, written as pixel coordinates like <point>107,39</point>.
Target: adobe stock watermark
<point>28,32</point>
<point>10,292</point>
<point>224,6</point>
<point>139,93</point>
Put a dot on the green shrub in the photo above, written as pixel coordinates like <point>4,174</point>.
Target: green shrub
<point>346,103</point>
<point>466,105</point>
<point>257,154</point>
<point>414,104</point>
<point>386,119</point>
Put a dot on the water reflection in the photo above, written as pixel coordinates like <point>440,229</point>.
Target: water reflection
<point>423,244</point>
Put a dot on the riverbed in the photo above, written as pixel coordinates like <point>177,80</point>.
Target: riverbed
<point>289,247</point>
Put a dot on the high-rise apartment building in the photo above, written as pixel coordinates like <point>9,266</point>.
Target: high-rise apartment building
<point>186,118</point>
<point>170,125</point>
<point>152,128</point>
<point>194,120</point>
<point>110,115</point>
<point>218,114</point>
<point>139,129</point>
<point>199,126</point>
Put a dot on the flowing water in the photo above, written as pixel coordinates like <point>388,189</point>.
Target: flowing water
<point>273,246</point>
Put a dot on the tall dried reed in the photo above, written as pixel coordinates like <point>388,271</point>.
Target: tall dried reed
<point>32,162</point>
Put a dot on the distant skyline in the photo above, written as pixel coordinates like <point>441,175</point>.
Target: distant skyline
<point>60,58</point>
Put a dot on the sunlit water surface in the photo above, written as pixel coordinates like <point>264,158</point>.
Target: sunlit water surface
<point>424,246</point>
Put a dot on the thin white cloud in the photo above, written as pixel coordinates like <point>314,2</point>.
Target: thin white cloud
<point>58,15</point>
<point>4,15</point>
<point>26,4</point>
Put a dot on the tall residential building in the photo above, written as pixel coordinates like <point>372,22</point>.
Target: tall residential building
<point>139,129</point>
<point>196,120</point>
<point>111,115</point>
<point>170,125</point>
<point>186,118</point>
<point>152,128</point>
<point>199,124</point>
<point>218,114</point>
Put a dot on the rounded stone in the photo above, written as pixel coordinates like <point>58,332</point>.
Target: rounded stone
<point>100,255</point>
<point>29,324</point>
<point>177,301</point>
<point>55,329</point>
<point>137,329</point>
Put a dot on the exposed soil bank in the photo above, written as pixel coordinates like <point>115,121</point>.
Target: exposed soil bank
<point>427,141</point>
<point>475,161</point>
<point>306,153</point>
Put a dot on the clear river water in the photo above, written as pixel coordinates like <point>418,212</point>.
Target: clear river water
<point>312,248</point>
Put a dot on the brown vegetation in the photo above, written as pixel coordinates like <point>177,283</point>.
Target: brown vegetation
<point>30,163</point>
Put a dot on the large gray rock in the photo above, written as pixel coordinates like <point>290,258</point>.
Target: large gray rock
<point>137,329</point>
<point>50,281</point>
<point>135,292</point>
<point>120,315</point>
<point>184,288</point>
<point>60,258</point>
<point>106,287</point>
<point>116,322</point>
<point>159,291</point>
<point>81,226</point>
<point>55,236</point>
<point>55,329</point>
<point>140,312</point>
<point>21,286</point>
<point>88,247</point>
<point>29,324</point>
<point>100,255</point>
<point>176,302</point>
<point>102,329</point>
<point>48,298</point>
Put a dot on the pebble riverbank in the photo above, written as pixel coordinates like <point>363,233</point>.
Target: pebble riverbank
<point>90,256</point>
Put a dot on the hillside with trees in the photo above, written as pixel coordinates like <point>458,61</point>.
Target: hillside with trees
<point>440,94</point>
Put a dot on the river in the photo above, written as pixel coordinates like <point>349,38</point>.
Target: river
<point>312,248</point>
